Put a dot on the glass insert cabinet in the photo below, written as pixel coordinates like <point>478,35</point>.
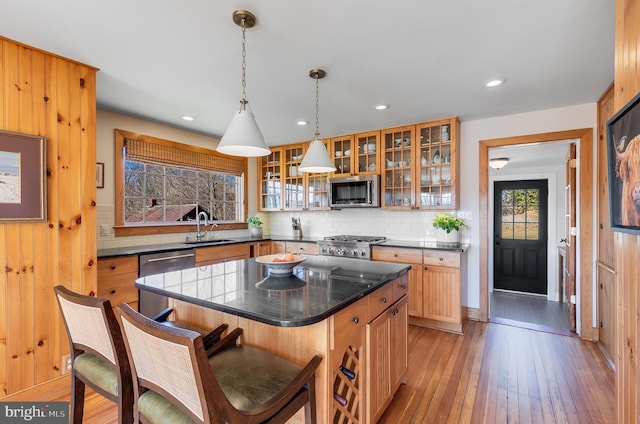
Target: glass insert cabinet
<point>282,186</point>
<point>420,165</point>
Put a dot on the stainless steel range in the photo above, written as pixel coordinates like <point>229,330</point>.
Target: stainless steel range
<point>348,246</point>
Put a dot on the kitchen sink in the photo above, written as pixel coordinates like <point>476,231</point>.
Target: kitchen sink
<point>209,242</point>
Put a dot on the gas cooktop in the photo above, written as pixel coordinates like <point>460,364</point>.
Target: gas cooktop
<point>351,246</point>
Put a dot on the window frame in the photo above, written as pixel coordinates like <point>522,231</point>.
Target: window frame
<point>121,229</point>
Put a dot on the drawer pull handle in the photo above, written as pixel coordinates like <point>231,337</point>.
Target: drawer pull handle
<point>355,320</point>
<point>113,292</point>
<point>384,300</point>
<point>395,255</point>
<point>394,311</point>
<point>441,259</point>
<point>404,286</point>
<point>113,267</point>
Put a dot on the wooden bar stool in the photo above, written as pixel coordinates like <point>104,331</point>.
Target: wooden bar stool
<point>98,355</point>
<point>176,380</point>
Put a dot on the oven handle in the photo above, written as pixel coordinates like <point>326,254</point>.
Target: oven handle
<point>369,190</point>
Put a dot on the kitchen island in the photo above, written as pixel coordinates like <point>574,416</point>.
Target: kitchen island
<point>351,312</point>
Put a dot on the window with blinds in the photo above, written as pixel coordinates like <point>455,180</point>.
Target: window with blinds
<point>169,183</point>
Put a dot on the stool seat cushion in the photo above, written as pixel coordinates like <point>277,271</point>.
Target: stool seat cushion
<point>249,377</point>
<point>158,410</point>
<point>99,372</point>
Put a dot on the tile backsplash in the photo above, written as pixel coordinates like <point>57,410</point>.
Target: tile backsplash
<point>397,225</point>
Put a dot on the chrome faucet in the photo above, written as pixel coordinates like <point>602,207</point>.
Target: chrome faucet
<point>201,215</point>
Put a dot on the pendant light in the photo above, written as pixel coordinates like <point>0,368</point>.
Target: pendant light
<point>317,158</point>
<point>498,163</point>
<point>243,137</point>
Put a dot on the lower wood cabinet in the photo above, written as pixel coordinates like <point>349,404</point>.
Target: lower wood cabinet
<point>116,280</point>
<point>386,357</point>
<point>299,247</point>
<point>435,284</point>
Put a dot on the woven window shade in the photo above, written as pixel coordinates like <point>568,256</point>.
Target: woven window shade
<point>159,154</point>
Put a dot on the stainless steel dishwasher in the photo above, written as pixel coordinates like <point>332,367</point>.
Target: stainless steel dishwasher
<point>157,263</point>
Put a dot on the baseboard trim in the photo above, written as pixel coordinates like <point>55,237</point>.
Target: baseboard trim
<point>44,392</point>
<point>471,313</point>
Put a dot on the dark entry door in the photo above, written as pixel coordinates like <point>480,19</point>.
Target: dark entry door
<point>520,236</point>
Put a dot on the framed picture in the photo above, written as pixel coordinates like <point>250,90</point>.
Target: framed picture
<point>100,175</point>
<point>23,187</point>
<point>623,150</point>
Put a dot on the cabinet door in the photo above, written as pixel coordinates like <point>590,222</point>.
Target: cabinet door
<point>416,296</point>
<point>399,343</point>
<point>378,364</point>
<point>437,164</point>
<point>442,294</point>
<point>294,188</point>
<point>342,150</point>
<point>398,185</point>
<point>317,188</point>
<point>366,157</point>
<point>270,181</point>
<point>305,248</point>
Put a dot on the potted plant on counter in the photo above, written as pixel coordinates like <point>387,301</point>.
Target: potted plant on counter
<point>448,228</point>
<point>255,226</point>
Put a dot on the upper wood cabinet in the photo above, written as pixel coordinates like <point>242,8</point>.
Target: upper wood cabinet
<point>356,154</point>
<point>270,177</point>
<point>420,165</point>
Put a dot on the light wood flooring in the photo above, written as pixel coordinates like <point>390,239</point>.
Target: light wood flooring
<point>523,308</point>
<point>492,374</point>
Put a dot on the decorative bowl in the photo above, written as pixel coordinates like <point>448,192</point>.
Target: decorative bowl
<point>279,268</point>
<point>281,282</point>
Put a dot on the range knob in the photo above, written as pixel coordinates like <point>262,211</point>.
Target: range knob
<point>340,252</point>
<point>331,251</point>
<point>355,252</point>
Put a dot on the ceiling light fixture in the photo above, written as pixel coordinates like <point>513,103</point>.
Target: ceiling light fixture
<point>498,163</point>
<point>317,158</point>
<point>302,123</point>
<point>494,83</point>
<point>381,107</point>
<point>187,118</point>
<point>243,137</point>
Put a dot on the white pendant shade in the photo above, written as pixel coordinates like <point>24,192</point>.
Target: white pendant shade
<point>498,163</point>
<point>317,159</point>
<point>243,137</point>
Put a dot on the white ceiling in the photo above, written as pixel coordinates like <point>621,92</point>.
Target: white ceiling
<point>161,59</point>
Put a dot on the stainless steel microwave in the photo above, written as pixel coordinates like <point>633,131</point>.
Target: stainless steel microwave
<point>360,191</point>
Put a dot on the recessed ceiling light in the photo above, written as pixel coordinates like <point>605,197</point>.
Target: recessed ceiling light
<point>494,83</point>
<point>302,123</point>
<point>187,118</point>
<point>381,107</point>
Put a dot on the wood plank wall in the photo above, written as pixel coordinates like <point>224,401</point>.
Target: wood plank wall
<point>46,95</point>
<point>627,247</point>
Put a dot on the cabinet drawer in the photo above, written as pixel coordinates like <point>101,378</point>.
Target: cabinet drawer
<point>118,288</point>
<point>400,286</point>
<point>380,300</point>
<point>118,265</point>
<point>277,246</point>
<point>348,325</point>
<point>441,258</point>
<point>221,253</point>
<point>396,254</point>
<point>305,248</point>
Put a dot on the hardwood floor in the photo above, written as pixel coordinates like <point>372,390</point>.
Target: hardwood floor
<point>492,374</point>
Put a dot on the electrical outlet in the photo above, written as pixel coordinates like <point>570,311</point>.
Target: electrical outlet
<point>104,230</point>
<point>65,364</point>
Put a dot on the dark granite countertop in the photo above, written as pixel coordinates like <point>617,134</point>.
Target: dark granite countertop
<point>170,247</point>
<point>318,288</point>
<point>429,245</point>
